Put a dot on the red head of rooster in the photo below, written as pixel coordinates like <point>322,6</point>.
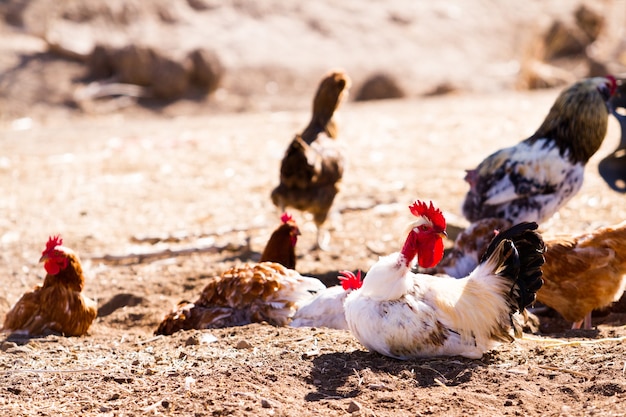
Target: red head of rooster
<point>350,281</point>
<point>54,256</point>
<point>294,232</point>
<point>425,238</point>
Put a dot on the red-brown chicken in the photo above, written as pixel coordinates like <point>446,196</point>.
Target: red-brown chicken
<point>312,168</point>
<point>250,293</point>
<point>581,273</point>
<point>57,306</point>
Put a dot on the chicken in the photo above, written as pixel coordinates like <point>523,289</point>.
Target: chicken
<point>312,167</point>
<point>326,308</point>
<point>584,273</point>
<point>533,179</point>
<point>405,315</point>
<point>58,306</point>
<point>266,291</point>
<point>581,273</point>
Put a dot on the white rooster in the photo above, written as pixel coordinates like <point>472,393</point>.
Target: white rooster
<point>405,315</point>
<point>326,308</point>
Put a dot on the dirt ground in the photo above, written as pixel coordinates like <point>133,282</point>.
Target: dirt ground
<point>197,175</point>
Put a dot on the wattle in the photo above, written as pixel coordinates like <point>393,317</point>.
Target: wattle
<point>52,267</point>
<point>430,253</point>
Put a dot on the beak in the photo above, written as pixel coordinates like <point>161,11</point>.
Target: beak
<point>43,258</point>
<point>443,234</point>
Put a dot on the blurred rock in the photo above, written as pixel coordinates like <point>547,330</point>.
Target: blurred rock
<point>99,63</point>
<point>564,40</point>
<point>537,74</point>
<point>206,69</point>
<point>133,64</point>
<point>590,22</point>
<point>441,89</point>
<point>170,77</point>
<point>379,87</point>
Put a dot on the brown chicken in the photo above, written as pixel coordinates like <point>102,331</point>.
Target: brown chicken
<point>250,293</point>
<point>312,168</point>
<point>581,273</point>
<point>57,306</point>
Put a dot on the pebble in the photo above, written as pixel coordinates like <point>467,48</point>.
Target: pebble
<point>243,344</point>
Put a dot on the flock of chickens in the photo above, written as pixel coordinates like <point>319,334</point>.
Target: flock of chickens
<point>472,298</point>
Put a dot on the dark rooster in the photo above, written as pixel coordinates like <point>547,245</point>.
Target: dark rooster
<point>312,168</point>
<point>405,315</point>
<point>250,293</point>
<point>58,305</point>
<point>533,179</point>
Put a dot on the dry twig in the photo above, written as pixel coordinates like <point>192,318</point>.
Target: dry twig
<point>137,258</point>
<point>567,371</point>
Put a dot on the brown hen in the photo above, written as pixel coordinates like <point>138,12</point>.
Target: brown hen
<point>581,273</point>
<point>58,305</point>
<point>250,293</point>
<point>312,167</point>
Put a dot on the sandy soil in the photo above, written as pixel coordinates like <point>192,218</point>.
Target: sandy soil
<point>197,175</point>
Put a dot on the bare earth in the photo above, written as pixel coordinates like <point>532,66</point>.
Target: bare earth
<point>190,176</point>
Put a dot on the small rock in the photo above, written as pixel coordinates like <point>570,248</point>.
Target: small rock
<point>243,344</point>
<point>7,345</point>
<point>379,87</point>
<point>206,69</point>
<point>354,407</point>
<point>266,404</point>
<point>192,341</point>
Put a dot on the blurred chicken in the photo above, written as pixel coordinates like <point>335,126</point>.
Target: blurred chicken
<point>326,308</point>
<point>405,315</point>
<point>58,305</point>
<point>533,179</point>
<point>312,168</point>
<point>581,273</point>
<point>250,293</point>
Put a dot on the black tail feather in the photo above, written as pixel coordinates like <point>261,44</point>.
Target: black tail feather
<point>526,269</point>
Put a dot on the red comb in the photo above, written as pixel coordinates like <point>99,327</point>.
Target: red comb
<point>349,281</point>
<point>421,209</point>
<point>613,83</point>
<point>286,217</point>
<point>53,242</point>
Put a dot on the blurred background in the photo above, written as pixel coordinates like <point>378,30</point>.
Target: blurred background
<point>73,57</point>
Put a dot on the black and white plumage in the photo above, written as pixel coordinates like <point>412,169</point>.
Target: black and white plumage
<point>417,315</point>
<point>533,179</point>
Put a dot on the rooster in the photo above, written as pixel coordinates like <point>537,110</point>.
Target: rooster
<point>58,306</point>
<point>532,180</point>
<point>312,167</point>
<point>326,308</point>
<point>250,293</point>
<point>581,273</point>
<point>406,315</point>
